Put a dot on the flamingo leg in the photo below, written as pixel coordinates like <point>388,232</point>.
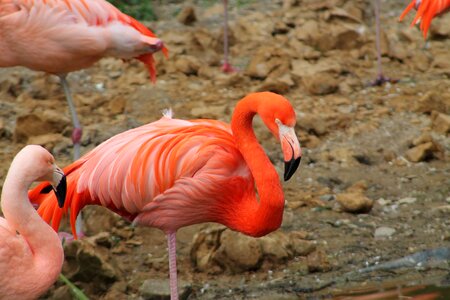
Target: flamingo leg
<point>171,242</point>
<point>77,130</point>
<point>226,67</point>
<point>76,138</point>
<point>381,79</point>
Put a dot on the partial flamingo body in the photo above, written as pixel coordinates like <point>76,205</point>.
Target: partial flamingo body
<point>427,10</point>
<point>30,260</point>
<point>60,36</point>
<point>173,173</point>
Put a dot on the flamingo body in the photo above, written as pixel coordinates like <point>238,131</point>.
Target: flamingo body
<point>427,10</point>
<point>31,260</point>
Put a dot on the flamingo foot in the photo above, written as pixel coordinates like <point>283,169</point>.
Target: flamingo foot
<point>76,140</point>
<point>76,135</point>
<point>381,79</point>
<point>228,68</point>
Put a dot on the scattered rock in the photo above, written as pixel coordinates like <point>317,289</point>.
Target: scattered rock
<point>320,84</point>
<point>62,293</point>
<point>276,247</point>
<point>407,200</point>
<point>159,289</point>
<point>299,267</point>
<point>238,252</point>
<point>218,249</point>
<point>287,4</point>
<point>424,148</point>
<point>278,85</point>
<point>33,125</point>
<point>441,122</point>
<point>117,105</point>
<point>4,130</point>
<point>300,244</point>
<point>98,219</point>
<point>358,187</point>
<point>268,61</point>
<point>440,29</point>
<point>187,15</point>
<point>384,232</point>
<point>188,65</point>
<point>421,152</point>
<point>318,261</point>
<point>87,263</point>
<point>433,100</point>
<point>354,202</point>
<point>49,141</point>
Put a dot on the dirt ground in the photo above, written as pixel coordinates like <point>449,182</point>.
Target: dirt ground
<point>373,185</point>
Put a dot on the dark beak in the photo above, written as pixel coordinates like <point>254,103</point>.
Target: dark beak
<point>290,167</point>
<point>60,191</point>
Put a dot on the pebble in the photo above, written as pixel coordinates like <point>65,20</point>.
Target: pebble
<point>383,232</point>
<point>407,200</point>
<point>158,289</point>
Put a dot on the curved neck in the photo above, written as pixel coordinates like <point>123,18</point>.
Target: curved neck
<point>22,217</point>
<point>258,218</point>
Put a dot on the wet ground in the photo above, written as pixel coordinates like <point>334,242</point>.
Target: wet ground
<point>374,182</point>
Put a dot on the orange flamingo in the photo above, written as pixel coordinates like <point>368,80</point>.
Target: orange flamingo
<point>30,261</point>
<point>426,11</point>
<point>61,36</point>
<point>173,173</point>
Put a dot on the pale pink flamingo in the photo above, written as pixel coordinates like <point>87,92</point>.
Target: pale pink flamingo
<point>31,255</point>
<point>427,10</point>
<point>61,36</point>
<point>173,173</point>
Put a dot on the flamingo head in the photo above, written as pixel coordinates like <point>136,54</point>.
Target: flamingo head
<point>45,169</point>
<point>279,116</point>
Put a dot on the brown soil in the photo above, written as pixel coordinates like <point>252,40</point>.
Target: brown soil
<point>387,147</point>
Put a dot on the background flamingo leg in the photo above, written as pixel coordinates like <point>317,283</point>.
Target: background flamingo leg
<point>381,79</point>
<point>171,242</point>
<point>226,67</point>
<point>76,139</point>
<point>77,130</point>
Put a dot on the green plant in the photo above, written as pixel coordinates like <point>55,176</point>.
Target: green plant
<point>76,292</point>
<point>138,9</point>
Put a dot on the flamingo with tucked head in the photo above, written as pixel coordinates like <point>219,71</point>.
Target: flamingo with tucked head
<point>31,255</point>
<point>173,173</point>
<point>60,36</point>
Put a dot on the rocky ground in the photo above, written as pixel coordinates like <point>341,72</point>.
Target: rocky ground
<point>374,182</point>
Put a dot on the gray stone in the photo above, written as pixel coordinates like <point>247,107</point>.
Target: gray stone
<point>384,232</point>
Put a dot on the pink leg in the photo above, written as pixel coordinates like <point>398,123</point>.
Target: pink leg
<point>77,130</point>
<point>226,67</point>
<point>381,79</point>
<point>171,242</point>
<point>76,137</point>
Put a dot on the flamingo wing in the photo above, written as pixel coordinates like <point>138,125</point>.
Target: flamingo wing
<point>165,174</point>
<point>426,11</point>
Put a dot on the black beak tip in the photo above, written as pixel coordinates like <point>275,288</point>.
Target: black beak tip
<point>61,191</point>
<point>290,167</point>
